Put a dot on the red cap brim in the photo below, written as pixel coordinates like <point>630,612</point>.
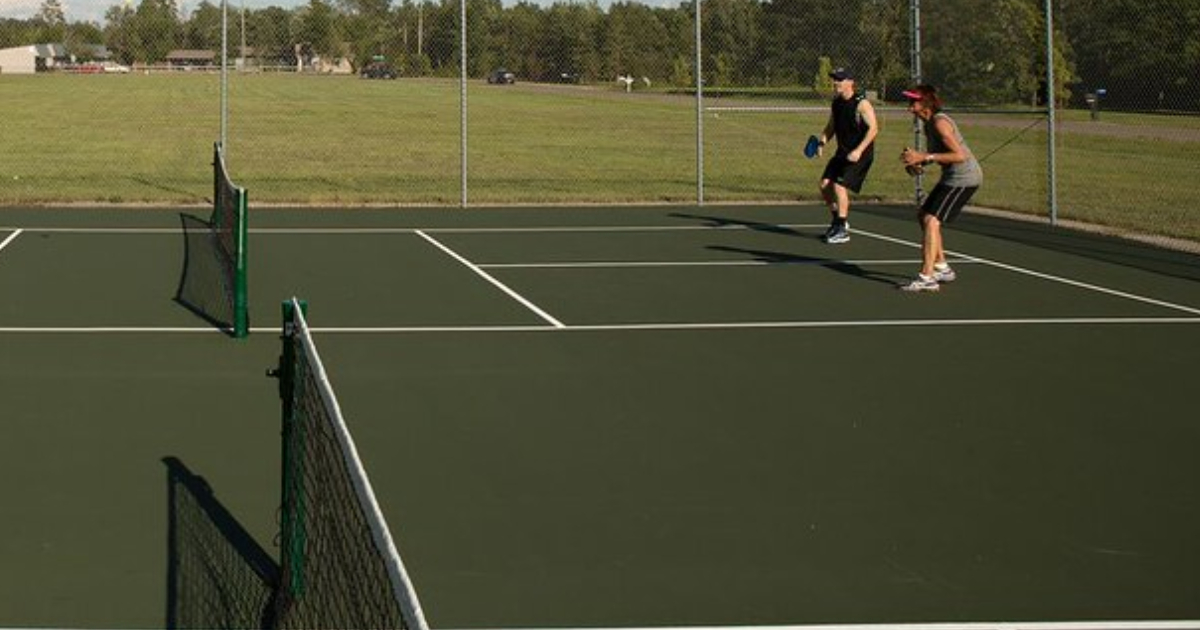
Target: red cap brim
<point>912,96</point>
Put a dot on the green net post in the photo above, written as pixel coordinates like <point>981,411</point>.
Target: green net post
<point>241,308</point>
<point>230,219</point>
<point>292,510</point>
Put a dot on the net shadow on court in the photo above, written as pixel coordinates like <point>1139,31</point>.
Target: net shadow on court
<point>218,576</point>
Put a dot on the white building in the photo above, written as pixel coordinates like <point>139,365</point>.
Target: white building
<point>33,58</point>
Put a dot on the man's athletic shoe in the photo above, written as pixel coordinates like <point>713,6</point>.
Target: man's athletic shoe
<point>829,231</point>
<point>921,283</point>
<point>944,275</point>
<point>840,234</point>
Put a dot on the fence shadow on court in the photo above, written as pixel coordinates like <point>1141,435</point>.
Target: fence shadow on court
<point>217,575</point>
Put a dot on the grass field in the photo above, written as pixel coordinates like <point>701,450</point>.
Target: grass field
<point>344,141</point>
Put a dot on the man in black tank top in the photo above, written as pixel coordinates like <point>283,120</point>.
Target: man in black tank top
<point>852,121</point>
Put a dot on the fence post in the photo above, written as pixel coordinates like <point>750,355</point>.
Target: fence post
<point>1051,122</point>
<point>699,109</point>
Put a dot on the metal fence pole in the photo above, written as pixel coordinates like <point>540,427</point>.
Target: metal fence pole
<point>914,11</point>
<point>699,109</point>
<point>1051,122</point>
<point>462,19</point>
<point>224,76</point>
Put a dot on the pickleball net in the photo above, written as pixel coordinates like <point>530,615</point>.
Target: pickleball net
<point>339,565</point>
<point>213,283</point>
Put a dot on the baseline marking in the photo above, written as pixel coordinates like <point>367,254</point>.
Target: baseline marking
<point>486,276</point>
<point>1183,624</point>
<point>702,263</point>
<point>666,326</point>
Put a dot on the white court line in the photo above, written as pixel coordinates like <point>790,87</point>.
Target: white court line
<point>1182,624</point>
<point>116,330</point>
<point>665,326</point>
<point>486,276</point>
<point>11,237</point>
<point>830,324</point>
<point>81,230</point>
<point>631,228</point>
<point>1045,276</point>
<point>431,230</point>
<point>702,263</point>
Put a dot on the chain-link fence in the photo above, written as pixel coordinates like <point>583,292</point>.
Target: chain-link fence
<point>581,102</point>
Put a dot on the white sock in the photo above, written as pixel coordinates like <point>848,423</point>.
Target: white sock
<point>942,266</point>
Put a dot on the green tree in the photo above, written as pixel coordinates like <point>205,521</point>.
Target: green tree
<point>368,30</point>
<point>203,28</point>
<point>485,37</point>
<point>315,30</point>
<point>627,38</point>
<point>799,32</point>
<point>884,25</point>
<point>51,22</point>
<point>269,35</point>
<point>1144,53</point>
<point>732,39</point>
<point>570,43</point>
<point>994,61</point>
<point>154,30</point>
<point>119,32</point>
<point>523,42</point>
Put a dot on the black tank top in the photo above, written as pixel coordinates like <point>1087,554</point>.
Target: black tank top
<point>849,127</point>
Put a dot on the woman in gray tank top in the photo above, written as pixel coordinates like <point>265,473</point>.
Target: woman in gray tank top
<point>961,177</point>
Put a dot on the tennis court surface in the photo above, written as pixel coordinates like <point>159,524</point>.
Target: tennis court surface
<point>615,417</point>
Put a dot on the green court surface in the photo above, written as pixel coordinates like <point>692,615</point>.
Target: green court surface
<point>624,417</point>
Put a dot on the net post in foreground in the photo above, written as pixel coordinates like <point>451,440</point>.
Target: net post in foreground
<point>339,564</point>
<point>230,220</point>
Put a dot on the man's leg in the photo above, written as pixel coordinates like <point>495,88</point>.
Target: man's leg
<point>843,202</point>
<point>831,202</point>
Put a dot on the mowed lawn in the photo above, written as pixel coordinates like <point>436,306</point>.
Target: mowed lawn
<point>340,140</point>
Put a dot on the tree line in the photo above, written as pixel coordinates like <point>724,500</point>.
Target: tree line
<point>1145,54</point>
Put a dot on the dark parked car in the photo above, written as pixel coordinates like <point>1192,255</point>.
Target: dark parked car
<point>502,76</point>
<point>378,70</point>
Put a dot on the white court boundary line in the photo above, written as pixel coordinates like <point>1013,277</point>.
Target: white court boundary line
<point>443,230</point>
<point>486,276</point>
<point>1183,624</point>
<point>700,263</point>
<point>662,326</point>
<point>11,237</point>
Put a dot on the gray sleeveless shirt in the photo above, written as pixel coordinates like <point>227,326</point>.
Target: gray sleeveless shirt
<point>959,174</point>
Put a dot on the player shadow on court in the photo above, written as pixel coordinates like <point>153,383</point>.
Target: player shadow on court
<point>840,266</point>
<point>719,222</point>
<point>218,576</point>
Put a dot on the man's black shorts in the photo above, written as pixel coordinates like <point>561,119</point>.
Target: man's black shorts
<point>849,174</point>
<point>946,202</point>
